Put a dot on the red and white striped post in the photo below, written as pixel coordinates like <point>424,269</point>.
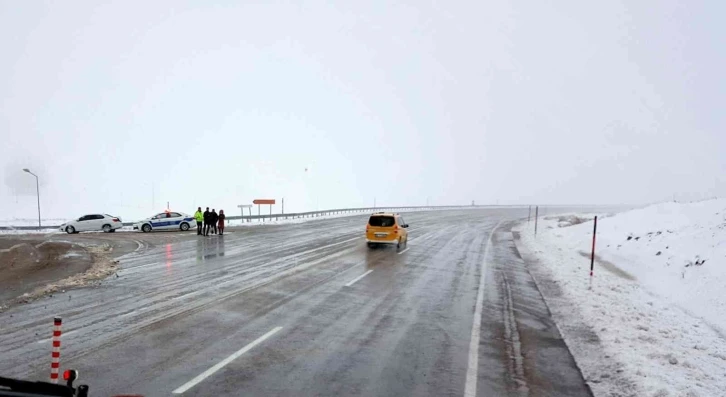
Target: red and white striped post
<point>55,356</point>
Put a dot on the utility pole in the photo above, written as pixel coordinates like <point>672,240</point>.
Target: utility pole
<point>529,214</point>
<point>37,190</point>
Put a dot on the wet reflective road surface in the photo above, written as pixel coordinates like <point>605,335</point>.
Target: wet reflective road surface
<point>308,309</point>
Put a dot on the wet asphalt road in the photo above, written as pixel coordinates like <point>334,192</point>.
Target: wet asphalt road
<point>308,309</point>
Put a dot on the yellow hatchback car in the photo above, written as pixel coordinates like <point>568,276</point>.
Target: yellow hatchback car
<point>386,228</point>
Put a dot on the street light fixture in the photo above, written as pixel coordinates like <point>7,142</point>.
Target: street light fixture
<point>37,190</point>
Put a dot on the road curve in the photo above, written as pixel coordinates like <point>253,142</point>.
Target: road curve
<point>308,309</point>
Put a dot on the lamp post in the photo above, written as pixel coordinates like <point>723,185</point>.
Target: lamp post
<point>37,190</point>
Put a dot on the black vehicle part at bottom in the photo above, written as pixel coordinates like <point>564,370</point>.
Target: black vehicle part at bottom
<point>21,388</point>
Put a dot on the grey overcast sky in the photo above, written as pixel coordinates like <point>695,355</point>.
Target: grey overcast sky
<point>123,106</point>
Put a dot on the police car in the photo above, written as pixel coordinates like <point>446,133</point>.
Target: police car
<point>167,221</point>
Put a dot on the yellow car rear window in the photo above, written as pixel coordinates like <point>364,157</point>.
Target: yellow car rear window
<point>382,221</point>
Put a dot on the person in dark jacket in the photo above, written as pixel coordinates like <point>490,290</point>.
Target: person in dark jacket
<point>213,218</point>
<point>221,222</point>
<point>206,221</point>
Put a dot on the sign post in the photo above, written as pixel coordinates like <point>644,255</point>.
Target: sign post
<point>259,202</point>
<point>242,210</point>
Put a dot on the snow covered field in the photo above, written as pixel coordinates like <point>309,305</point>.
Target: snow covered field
<point>652,320</point>
<point>31,222</point>
<point>45,223</point>
<point>7,224</point>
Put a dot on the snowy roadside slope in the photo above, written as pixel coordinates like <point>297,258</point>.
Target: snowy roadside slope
<point>645,326</point>
<point>663,247</point>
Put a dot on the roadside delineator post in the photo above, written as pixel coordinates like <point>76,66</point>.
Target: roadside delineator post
<point>592,255</point>
<point>536,217</point>
<point>55,355</point>
<point>529,214</point>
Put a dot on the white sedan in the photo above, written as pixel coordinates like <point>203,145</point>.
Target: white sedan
<point>93,223</point>
<point>167,221</point>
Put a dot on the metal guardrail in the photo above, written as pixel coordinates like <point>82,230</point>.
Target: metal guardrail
<point>314,214</point>
<point>311,214</point>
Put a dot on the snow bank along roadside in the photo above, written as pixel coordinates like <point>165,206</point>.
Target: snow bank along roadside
<point>31,222</point>
<point>102,266</point>
<point>30,231</point>
<point>650,324</point>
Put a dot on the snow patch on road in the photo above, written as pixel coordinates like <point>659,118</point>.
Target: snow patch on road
<point>657,333</point>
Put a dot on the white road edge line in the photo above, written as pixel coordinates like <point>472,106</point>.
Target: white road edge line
<point>221,364</point>
<point>403,251</point>
<point>472,371</point>
<point>358,278</point>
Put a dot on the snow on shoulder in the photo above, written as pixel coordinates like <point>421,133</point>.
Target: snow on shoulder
<point>652,320</point>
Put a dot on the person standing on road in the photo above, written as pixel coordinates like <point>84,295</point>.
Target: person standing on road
<point>221,222</point>
<point>199,217</point>
<point>213,218</point>
<point>206,218</point>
